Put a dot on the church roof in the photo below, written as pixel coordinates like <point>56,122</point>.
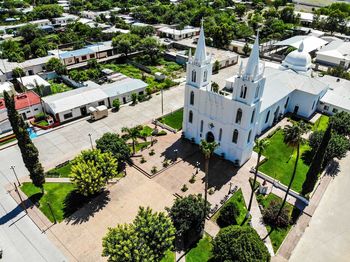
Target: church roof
<point>298,60</point>
<point>281,83</point>
<point>200,55</point>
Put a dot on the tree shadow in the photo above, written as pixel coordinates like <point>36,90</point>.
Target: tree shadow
<point>220,170</point>
<point>307,156</point>
<point>78,208</point>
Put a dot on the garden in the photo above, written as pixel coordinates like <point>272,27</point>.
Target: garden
<point>270,205</point>
<point>174,119</point>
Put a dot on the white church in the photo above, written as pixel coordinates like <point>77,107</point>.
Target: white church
<point>252,101</point>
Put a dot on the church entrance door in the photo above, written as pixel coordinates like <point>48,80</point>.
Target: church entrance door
<point>210,137</point>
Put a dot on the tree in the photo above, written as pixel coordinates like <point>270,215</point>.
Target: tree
<point>293,138</point>
<point>55,64</point>
<point>91,171</point>
<point>12,51</point>
<point>29,32</point>
<point>125,43</point>
<point>48,11</point>
<point>215,87</point>
<point>207,149</point>
<point>142,31</point>
<point>316,164</point>
<point>216,66</point>
<point>116,104</point>
<point>260,146</point>
<point>334,21</point>
<point>246,49</point>
<point>228,214</point>
<point>113,143</point>
<point>341,123</point>
<point>240,9</point>
<point>18,72</point>
<point>132,133</point>
<point>145,240</point>
<point>151,48</point>
<point>188,215</point>
<point>134,97</point>
<point>30,154</point>
<point>336,148</point>
<point>235,243</point>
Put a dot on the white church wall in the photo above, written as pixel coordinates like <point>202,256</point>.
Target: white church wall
<point>306,102</point>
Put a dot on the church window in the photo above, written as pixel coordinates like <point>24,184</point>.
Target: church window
<point>201,126</point>
<point>194,76</point>
<point>190,117</point>
<point>257,91</point>
<point>192,98</point>
<point>220,134</point>
<point>267,116</point>
<point>249,135</point>
<point>205,75</point>
<point>235,136</point>
<point>253,115</point>
<point>243,91</point>
<point>286,104</point>
<point>239,116</point>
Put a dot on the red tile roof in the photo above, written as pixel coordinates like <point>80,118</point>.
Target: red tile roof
<point>23,100</point>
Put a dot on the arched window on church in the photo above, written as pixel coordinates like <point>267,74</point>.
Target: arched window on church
<point>243,91</point>
<point>205,76</point>
<point>192,98</point>
<point>190,117</point>
<point>252,118</point>
<point>235,136</point>
<point>249,135</point>
<point>194,76</point>
<point>286,104</point>
<point>201,126</point>
<point>257,91</point>
<point>220,134</point>
<point>267,116</point>
<point>239,116</point>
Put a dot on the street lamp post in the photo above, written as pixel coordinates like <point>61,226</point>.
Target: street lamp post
<point>197,167</point>
<point>229,191</point>
<point>92,147</point>
<point>14,172</point>
<point>161,93</point>
<point>175,153</point>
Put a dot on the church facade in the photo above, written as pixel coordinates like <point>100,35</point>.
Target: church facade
<point>252,101</point>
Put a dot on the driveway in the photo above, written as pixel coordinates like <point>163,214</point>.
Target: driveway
<point>328,236</point>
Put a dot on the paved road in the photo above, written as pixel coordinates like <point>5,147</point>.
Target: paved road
<point>328,236</point>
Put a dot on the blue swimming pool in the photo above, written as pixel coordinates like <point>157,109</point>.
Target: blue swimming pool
<point>31,133</point>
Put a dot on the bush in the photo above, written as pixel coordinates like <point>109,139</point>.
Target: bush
<point>161,133</point>
<point>270,213</point>
<point>116,104</point>
<point>39,117</point>
<point>184,188</point>
<point>141,98</point>
<point>165,163</point>
<point>154,170</point>
<point>143,160</point>
<point>192,179</point>
<point>228,215</point>
<point>151,153</point>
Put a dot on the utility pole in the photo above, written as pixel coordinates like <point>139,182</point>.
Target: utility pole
<point>14,172</point>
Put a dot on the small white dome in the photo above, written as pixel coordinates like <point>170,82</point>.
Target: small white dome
<point>298,60</point>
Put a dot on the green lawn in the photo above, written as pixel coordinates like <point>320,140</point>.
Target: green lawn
<point>169,257</point>
<point>58,87</point>
<point>146,131</point>
<point>125,69</point>
<point>321,124</point>
<point>7,141</point>
<point>278,234</point>
<point>62,171</point>
<point>202,252</point>
<point>281,159</point>
<point>55,194</point>
<point>42,123</point>
<point>239,200</point>
<point>140,146</point>
<point>174,119</point>
<point>168,68</point>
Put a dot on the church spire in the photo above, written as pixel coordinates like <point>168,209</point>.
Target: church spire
<point>200,55</point>
<point>253,60</point>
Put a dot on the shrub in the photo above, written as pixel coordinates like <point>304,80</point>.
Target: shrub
<point>134,97</point>
<point>270,214</point>
<point>193,179</point>
<point>228,215</point>
<point>116,104</point>
<point>161,133</point>
<point>143,160</point>
<point>38,117</point>
<point>151,153</point>
<point>184,188</point>
<point>141,97</point>
<point>165,163</point>
<point>154,170</point>
<point>211,191</point>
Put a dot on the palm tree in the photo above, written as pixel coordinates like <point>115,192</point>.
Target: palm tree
<point>132,133</point>
<point>207,149</point>
<point>261,146</point>
<point>293,138</point>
